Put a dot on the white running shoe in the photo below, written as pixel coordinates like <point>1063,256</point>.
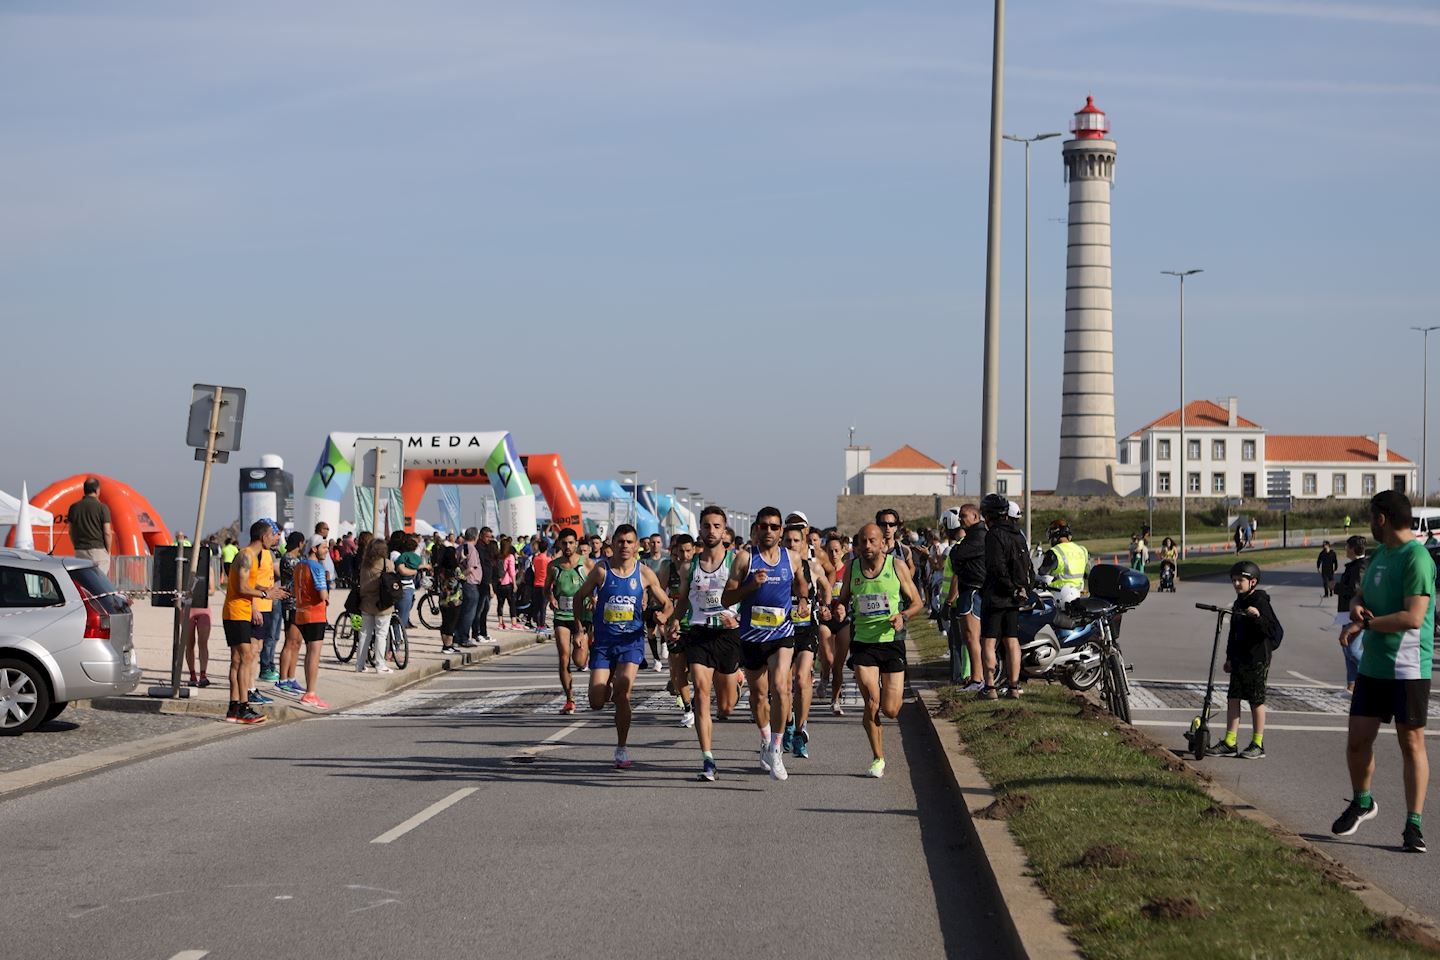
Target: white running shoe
<point>765,756</point>
<point>836,710</point>
<point>688,719</point>
<point>622,758</point>
<point>661,666</point>
<point>777,765</point>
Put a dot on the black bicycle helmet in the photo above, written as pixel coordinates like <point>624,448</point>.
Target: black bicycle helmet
<point>994,504</point>
<point>1058,528</point>
<point>950,520</point>
<point>1245,568</point>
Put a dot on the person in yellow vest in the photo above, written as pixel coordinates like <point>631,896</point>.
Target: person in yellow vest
<point>1066,563</point>
<point>250,593</point>
<point>877,586</point>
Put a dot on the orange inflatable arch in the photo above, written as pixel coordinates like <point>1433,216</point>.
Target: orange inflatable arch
<point>138,525</point>
<point>544,470</point>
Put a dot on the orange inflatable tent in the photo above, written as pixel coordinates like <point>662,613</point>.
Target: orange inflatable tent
<point>138,525</point>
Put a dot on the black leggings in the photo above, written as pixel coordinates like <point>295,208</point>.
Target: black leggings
<point>504,593</point>
<point>448,616</point>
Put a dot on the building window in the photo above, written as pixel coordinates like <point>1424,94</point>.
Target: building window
<point>1308,484</point>
<point>1162,482</point>
<point>1397,483</point>
<point>1192,482</point>
<point>1217,450</point>
<point>1337,484</point>
<point>1192,450</point>
<point>1002,486</point>
<point>1247,449</point>
<point>1367,484</point>
<point>1217,483</point>
<point>1125,453</point>
<point>1162,449</point>
<point>1247,485</point>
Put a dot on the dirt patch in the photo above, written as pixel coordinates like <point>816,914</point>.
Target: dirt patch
<point>1406,931</point>
<point>949,709</point>
<point>1004,807</point>
<point>1107,855</point>
<point>1174,908</point>
<point>1046,745</point>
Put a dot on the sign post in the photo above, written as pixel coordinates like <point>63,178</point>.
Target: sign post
<point>383,465</point>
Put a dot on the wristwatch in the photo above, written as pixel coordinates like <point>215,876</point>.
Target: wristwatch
<point>1365,621</point>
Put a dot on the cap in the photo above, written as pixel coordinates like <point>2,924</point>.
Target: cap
<point>1013,511</point>
<point>795,516</point>
<point>316,540</point>
<point>273,525</point>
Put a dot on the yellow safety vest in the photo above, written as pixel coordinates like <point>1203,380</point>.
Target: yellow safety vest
<point>1071,561</point>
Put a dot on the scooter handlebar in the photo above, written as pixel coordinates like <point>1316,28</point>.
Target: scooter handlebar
<point>1224,610</point>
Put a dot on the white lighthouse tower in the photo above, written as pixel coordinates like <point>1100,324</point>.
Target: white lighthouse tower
<point>1087,410</point>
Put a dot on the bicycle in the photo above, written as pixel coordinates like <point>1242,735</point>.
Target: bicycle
<point>427,605</point>
<point>345,636</point>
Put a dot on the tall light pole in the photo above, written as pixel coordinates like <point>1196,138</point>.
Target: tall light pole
<point>628,477</point>
<point>1184,478</point>
<point>1028,464</point>
<point>1425,417</point>
<point>990,399</point>
<point>964,483</point>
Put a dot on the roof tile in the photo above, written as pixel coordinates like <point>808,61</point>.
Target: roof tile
<point>907,458</point>
<point>1301,448</point>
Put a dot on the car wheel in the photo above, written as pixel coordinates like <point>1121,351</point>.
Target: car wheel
<point>54,710</point>
<point>24,698</point>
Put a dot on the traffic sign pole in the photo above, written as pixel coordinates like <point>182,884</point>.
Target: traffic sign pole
<point>216,402</point>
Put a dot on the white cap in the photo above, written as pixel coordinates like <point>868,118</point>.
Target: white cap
<point>1014,512</point>
<point>794,517</point>
<point>315,541</point>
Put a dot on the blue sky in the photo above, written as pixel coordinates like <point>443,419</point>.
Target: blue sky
<point>697,239</point>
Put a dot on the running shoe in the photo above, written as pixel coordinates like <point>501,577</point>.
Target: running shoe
<point>788,739</point>
<point>622,758</point>
<point>311,700</point>
<point>1252,752</point>
<point>1354,815</point>
<point>232,714</point>
<point>687,719</point>
<point>765,756</point>
<point>660,666</point>
<point>568,708</point>
<point>383,669</point>
<point>259,698</point>
<point>707,772</point>
<point>877,769</point>
<point>1412,841</point>
<point>204,681</point>
<point>974,686</point>
<point>802,744</point>
<point>291,687</point>
<point>777,765</point>
<point>988,693</point>
<point>449,649</point>
<point>835,709</point>
<point>1223,749</point>
<point>269,676</point>
<point>246,715</point>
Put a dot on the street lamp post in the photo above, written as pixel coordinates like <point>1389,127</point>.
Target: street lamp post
<point>990,398</point>
<point>629,478</point>
<point>1028,464</point>
<point>1184,477</point>
<point>1425,417</point>
<point>964,483</point>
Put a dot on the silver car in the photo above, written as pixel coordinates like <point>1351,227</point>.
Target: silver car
<point>65,634</point>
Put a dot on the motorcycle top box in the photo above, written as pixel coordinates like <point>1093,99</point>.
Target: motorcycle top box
<point>1119,585</point>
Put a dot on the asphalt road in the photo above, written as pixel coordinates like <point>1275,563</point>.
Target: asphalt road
<point>408,828</point>
<point>1302,781</point>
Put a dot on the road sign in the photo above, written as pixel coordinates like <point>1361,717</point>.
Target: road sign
<point>1281,504</point>
<point>232,415</point>
<point>382,460</point>
<point>1277,483</point>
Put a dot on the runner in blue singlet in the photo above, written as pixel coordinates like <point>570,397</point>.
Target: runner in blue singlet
<point>767,582</point>
<point>619,585</point>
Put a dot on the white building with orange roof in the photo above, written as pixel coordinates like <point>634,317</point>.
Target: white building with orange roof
<point>1227,455</point>
<point>908,472</point>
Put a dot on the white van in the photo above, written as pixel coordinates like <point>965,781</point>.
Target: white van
<point>1423,519</point>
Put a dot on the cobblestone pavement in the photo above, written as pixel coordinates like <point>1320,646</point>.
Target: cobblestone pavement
<point>80,730</point>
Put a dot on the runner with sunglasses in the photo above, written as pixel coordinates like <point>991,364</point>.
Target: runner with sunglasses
<point>888,521</point>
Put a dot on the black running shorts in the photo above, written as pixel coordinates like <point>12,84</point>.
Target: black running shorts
<point>889,657</point>
<point>1403,701</point>
<point>756,656</point>
<point>713,647</point>
<point>998,624</point>
<point>807,638</point>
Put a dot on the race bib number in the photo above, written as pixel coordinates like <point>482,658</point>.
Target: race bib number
<point>767,616</point>
<point>710,602</point>
<point>619,610</point>
<point>872,604</point>
<point>565,604</point>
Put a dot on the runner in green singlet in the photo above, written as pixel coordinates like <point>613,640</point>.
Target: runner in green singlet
<point>566,574</point>
<point>673,573</point>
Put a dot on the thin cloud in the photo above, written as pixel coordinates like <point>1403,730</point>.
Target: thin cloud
<point>1356,12</point>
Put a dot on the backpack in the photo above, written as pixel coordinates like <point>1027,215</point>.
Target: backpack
<point>1279,635</point>
<point>389,589</point>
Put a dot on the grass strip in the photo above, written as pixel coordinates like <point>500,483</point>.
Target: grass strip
<point>929,641</point>
<point>1139,859</point>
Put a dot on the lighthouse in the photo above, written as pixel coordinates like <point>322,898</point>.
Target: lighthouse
<point>1087,406</point>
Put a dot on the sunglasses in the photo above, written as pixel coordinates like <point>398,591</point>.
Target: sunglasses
<point>888,523</point>
<point>768,526</point>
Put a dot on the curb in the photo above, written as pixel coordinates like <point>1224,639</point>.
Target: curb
<point>56,772</point>
<point>1041,934</point>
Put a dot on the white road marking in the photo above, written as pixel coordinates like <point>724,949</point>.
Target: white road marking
<point>479,706</point>
<point>419,818</point>
<point>1280,726</point>
<point>1142,699</point>
<point>552,742</point>
<point>1319,683</point>
<point>552,705</point>
<point>1201,683</point>
<point>1269,710</point>
<point>578,679</point>
<point>377,903</point>
<point>191,955</point>
<point>389,706</point>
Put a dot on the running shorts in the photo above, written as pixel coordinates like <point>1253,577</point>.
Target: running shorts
<point>713,647</point>
<point>1403,701</point>
<point>889,657</point>
<point>967,604</point>
<point>998,624</point>
<point>755,656</point>
<point>610,653</point>
<point>313,632</point>
<point>237,632</point>
<point>807,639</point>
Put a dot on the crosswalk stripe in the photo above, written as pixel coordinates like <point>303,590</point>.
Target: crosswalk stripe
<point>478,706</point>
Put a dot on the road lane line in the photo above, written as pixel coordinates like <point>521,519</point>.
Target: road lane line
<point>1319,683</point>
<point>419,818</point>
<point>1280,726</point>
<point>552,742</point>
<point>191,955</point>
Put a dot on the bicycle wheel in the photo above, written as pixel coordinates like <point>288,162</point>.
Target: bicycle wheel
<point>1119,687</point>
<point>399,645</point>
<point>342,638</point>
<point>429,610</point>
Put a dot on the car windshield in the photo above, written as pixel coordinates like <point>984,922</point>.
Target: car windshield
<point>99,586</point>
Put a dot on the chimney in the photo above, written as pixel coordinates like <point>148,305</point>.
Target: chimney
<point>1382,445</point>
<point>1234,412</point>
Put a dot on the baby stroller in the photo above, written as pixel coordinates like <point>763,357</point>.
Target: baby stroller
<point>1167,576</point>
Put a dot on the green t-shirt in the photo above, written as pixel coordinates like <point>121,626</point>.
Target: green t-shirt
<point>1393,574</point>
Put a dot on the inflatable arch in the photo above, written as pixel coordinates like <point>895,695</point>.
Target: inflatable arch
<point>442,458</point>
<point>545,469</point>
<point>138,525</point>
<point>613,491</point>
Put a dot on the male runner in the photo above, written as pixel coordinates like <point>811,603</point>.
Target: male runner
<point>672,573</point>
<point>654,558</point>
<point>807,639</point>
<point>567,572</point>
<point>249,591</point>
<point>619,586</point>
<point>832,667</point>
<point>768,583</point>
<point>712,647</point>
<point>877,586</point>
